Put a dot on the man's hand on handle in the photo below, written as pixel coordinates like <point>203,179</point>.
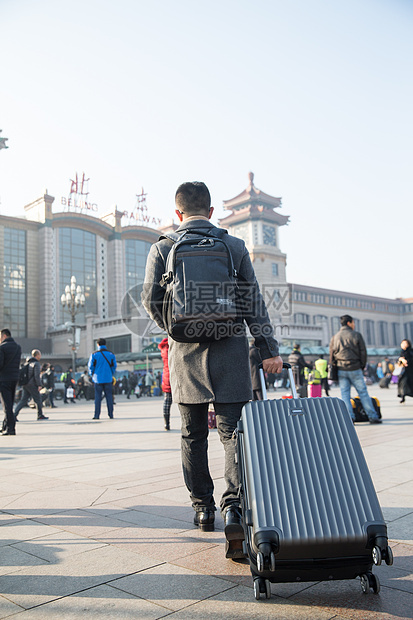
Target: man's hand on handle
<point>272,365</point>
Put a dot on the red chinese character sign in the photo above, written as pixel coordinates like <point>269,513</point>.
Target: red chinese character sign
<point>140,216</point>
<point>78,199</point>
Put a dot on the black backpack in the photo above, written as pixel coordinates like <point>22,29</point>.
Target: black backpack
<point>200,303</point>
<point>24,374</point>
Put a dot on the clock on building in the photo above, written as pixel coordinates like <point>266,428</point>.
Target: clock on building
<point>269,235</point>
<point>242,231</point>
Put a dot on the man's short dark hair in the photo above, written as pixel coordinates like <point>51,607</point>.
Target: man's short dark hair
<point>193,198</point>
<point>6,332</point>
<point>346,318</point>
<point>297,345</point>
<point>101,342</point>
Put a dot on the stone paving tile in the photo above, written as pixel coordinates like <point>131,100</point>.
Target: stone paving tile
<point>403,556</point>
<point>144,519</point>
<point>112,496</point>
<point>69,455</point>
<point>5,500</point>
<point>37,585</point>
<point>99,603</point>
<point>47,502</point>
<point>56,547</point>
<point>7,608</point>
<point>396,578</point>
<point>172,586</point>
<point>239,603</point>
<point>391,476</point>
<point>104,510</point>
<point>82,523</point>
<point>25,529</point>
<point>6,518</point>
<point>401,529</point>
<point>157,544</point>
<point>346,599</point>
<point>12,559</point>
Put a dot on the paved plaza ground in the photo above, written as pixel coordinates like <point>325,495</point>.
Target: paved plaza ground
<point>95,522</point>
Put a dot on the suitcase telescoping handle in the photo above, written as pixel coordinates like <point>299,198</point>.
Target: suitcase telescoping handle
<point>290,376</point>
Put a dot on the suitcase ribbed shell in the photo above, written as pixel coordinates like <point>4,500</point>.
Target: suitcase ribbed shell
<point>306,477</point>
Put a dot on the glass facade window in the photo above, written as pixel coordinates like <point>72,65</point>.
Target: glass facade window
<point>136,253</point>
<point>319,318</point>
<point>119,344</point>
<point>301,319</point>
<point>275,269</point>
<point>300,296</point>
<point>383,334</point>
<point>396,334</point>
<point>14,282</point>
<point>368,331</point>
<point>77,257</point>
<point>335,324</point>
<point>408,331</point>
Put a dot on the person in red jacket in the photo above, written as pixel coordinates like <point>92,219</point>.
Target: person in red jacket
<point>166,386</point>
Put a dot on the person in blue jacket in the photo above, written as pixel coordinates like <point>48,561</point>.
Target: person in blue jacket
<point>102,366</point>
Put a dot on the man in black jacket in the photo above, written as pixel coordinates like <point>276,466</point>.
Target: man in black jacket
<point>348,350</point>
<point>33,387</point>
<point>10,353</point>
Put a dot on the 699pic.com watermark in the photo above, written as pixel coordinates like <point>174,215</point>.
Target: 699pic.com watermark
<point>213,309</point>
<point>277,299</point>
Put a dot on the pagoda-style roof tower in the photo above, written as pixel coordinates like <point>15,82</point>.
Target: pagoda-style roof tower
<point>253,204</point>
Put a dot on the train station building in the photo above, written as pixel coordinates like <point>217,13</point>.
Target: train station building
<point>58,239</point>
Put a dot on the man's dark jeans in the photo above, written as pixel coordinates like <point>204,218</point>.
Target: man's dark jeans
<point>7,392</point>
<point>30,391</point>
<point>194,448</point>
<point>101,388</point>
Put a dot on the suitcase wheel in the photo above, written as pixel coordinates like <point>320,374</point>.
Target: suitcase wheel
<point>369,580</point>
<point>389,556</point>
<point>364,583</point>
<point>262,586</point>
<point>265,559</point>
<point>376,555</point>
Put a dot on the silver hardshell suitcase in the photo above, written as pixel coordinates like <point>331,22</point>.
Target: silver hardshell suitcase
<point>309,506</point>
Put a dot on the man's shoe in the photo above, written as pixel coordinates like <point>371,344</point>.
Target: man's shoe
<point>375,421</point>
<point>111,417</point>
<point>95,417</point>
<point>205,520</point>
<point>42,417</point>
<point>234,533</point>
<point>8,432</point>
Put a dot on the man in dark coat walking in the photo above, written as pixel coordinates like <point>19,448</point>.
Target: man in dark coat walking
<point>33,387</point>
<point>10,353</point>
<point>211,372</point>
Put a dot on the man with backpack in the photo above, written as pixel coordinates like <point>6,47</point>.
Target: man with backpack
<point>10,353</point>
<point>102,366</point>
<point>30,381</point>
<point>200,287</point>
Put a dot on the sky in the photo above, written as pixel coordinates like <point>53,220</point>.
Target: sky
<point>313,96</point>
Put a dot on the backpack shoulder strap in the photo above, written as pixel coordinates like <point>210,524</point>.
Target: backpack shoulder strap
<point>171,236</point>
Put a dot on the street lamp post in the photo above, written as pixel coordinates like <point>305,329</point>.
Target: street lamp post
<point>73,300</point>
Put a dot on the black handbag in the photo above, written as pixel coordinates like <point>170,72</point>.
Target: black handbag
<point>333,372</point>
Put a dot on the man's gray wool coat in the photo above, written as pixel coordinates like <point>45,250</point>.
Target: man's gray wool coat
<point>214,371</point>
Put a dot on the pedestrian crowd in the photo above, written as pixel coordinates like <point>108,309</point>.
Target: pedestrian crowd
<point>202,367</point>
